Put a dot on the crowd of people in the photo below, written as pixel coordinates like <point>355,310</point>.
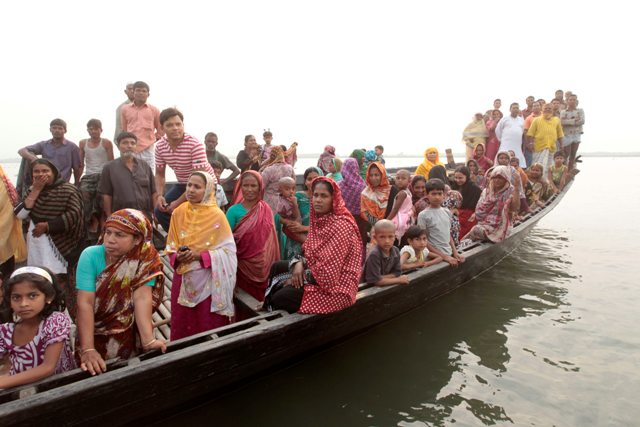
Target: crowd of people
<point>91,258</point>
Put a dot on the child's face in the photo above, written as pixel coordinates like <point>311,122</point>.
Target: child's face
<point>385,238</point>
<point>217,173</point>
<point>402,181</point>
<point>558,160</point>
<point>435,198</point>
<point>331,167</point>
<point>503,159</point>
<point>287,190</point>
<point>535,173</point>
<point>514,162</point>
<point>375,177</point>
<point>27,301</point>
<point>419,189</point>
<point>419,243</point>
<point>378,152</point>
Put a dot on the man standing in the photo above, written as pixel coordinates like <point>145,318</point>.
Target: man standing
<point>509,132</point>
<point>527,111</point>
<point>559,96</point>
<point>497,103</point>
<point>536,110</point>
<point>127,182</point>
<point>211,142</point>
<point>545,133</point>
<point>184,154</point>
<point>64,154</point>
<point>143,120</point>
<point>572,120</point>
<point>129,92</point>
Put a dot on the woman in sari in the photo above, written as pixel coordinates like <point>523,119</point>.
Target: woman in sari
<point>326,278</point>
<point>119,284</point>
<point>493,143</point>
<point>470,195</point>
<point>483,162</point>
<point>12,245</point>
<point>291,155</point>
<point>362,164</point>
<point>203,254</point>
<point>293,247</point>
<point>431,159</point>
<point>498,201</point>
<point>276,169</point>
<point>326,158</point>
<point>376,200</point>
<point>255,235</point>
<point>56,230</point>
<point>475,133</point>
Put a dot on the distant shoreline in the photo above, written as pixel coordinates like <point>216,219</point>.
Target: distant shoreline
<point>455,155</point>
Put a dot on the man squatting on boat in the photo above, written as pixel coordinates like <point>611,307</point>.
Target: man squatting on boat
<point>89,255</point>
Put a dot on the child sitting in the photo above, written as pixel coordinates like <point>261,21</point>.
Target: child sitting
<point>288,207</point>
<point>558,173</point>
<point>402,212</point>
<point>221,197</point>
<point>38,343</point>
<point>538,191</point>
<point>335,169</point>
<point>437,221</point>
<point>416,254</point>
<point>382,267</point>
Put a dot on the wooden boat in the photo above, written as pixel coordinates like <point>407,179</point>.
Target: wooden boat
<point>213,362</point>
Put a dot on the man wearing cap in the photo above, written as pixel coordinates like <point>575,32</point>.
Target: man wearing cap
<point>64,154</point>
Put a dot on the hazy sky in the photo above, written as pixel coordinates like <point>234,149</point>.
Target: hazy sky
<point>406,75</point>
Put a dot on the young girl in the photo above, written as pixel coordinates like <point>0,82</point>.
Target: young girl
<point>476,177</point>
<point>557,173</point>
<point>38,341</point>
<point>402,212</point>
<point>416,254</point>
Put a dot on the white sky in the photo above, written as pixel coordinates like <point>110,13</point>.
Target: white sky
<point>403,74</point>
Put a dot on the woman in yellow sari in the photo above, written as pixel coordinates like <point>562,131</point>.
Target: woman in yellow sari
<point>431,159</point>
<point>202,251</point>
<point>12,245</point>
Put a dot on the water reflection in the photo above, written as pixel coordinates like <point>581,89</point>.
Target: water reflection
<point>440,364</point>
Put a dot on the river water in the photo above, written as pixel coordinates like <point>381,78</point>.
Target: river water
<point>547,337</point>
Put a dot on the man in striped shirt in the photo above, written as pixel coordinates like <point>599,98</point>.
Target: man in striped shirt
<point>184,154</point>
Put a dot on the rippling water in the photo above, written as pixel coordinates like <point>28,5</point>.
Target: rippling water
<point>547,337</point>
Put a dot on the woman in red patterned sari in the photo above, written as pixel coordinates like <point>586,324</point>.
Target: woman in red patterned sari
<point>326,279</point>
<point>119,284</point>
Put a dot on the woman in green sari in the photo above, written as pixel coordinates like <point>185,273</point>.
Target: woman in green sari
<point>290,247</point>
<point>359,156</point>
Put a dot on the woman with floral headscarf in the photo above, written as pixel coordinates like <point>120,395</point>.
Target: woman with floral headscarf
<point>326,278</point>
<point>255,235</point>
<point>498,201</point>
<point>431,159</point>
<point>120,283</point>
<point>202,252</point>
<point>271,174</point>
<point>376,200</point>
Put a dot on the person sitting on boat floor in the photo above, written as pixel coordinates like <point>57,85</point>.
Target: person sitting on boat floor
<point>402,212</point>
<point>382,267</point>
<point>213,155</point>
<point>335,169</point>
<point>483,162</point>
<point>376,200</point>
<point>416,254</point>
<point>120,283</point>
<point>539,190</point>
<point>95,152</point>
<point>127,182</point>
<point>326,278</point>
<point>38,342</point>
<point>288,207</point>
<point>437,221</point>
<point>474,173</point>
<point>431,159</point>
<point>558,173</point>
<point>181,152</point>
<point>498,201</point>
<point>203,254</point>
<point>503,158</point>
<point>221,196</point>
<point>470,193</point>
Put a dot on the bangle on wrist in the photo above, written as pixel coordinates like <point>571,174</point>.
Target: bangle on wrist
<point>87,350</point>
<point>149,343</point>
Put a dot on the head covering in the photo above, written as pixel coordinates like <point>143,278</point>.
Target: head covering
<point>495,160</point>
<point>374,200</point>
<point>484,163</point>
<point>115,334</point>
<point>325,158</point>
<point>426,164</point>
<point>333,251</point>
<point>492,210</point>
<point>362,164</point>
<point>370,156</point>
<point>475,131</point>
<point>276,155</point>
<point>60,205</point>
<point>351,185</point>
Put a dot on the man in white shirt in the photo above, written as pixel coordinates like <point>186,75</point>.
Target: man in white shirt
<point>509,132</point>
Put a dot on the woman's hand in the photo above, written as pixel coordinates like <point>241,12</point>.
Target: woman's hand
<point>156,345</point>
<point>92,362</point>
<point>39,182</point>
<point>187,256</point>
<point>40,228</point>
<point>297,275</point>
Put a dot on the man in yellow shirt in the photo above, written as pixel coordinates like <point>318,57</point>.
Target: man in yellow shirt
<point>545,137</point>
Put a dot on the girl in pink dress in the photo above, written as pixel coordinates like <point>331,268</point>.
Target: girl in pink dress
<point>402,211</point>
<point>38,341</point>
